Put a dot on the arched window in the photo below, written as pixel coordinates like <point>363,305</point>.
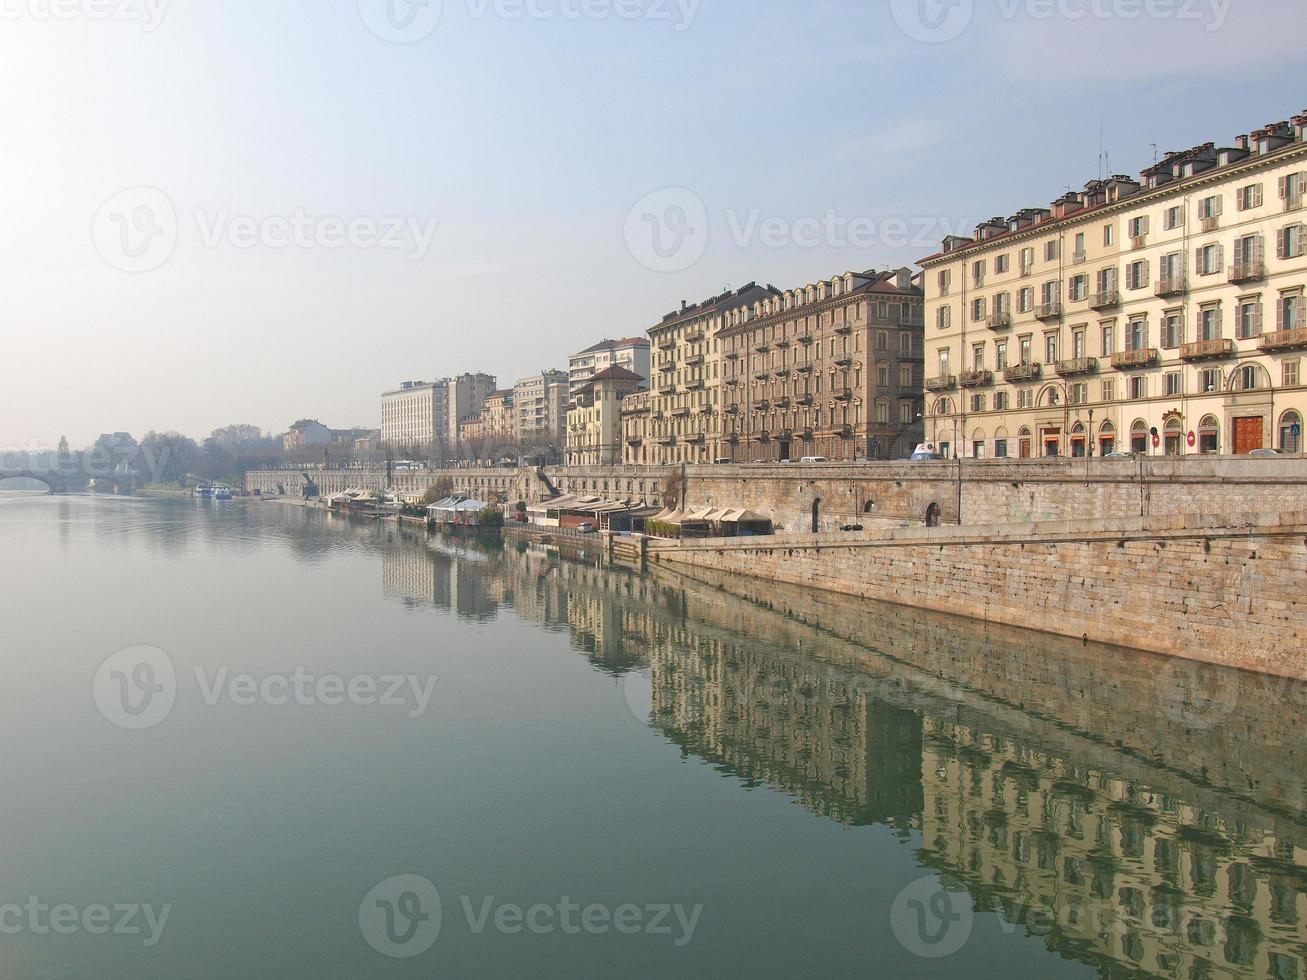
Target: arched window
<point>1247,377</point>
<point>1174,433</point>
<point>1139,437</point>
<point>1024,443</point>
<point>943,407</point>
<point>1291,432</point>
<point>1106,438</point>
<point>1209,435</point>
<point>1079,440</point>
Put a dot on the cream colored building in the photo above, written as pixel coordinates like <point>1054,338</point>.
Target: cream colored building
<point>685,412</point>
<point>637,429</point>
<point>1171,305</point>
<point>415,416</point>
<point>540,406</point>
<point>631,354</point>
<point>594,425</point>
<point>499,418</point>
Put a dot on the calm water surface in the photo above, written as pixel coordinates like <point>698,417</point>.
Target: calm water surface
<point>586,772</point>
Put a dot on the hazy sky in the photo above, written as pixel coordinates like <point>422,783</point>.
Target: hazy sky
<point>223,211</point>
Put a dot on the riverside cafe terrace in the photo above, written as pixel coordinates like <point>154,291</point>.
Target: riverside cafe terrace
<point>712,522</point>
<point>571,511</point>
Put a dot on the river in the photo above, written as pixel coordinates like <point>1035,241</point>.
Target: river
<point>256,740</point>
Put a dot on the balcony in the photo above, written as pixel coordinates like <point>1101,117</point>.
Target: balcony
<point>733,356</point>
<point>845,396</point>
<point>733,439</point>
<point>1285,340</point>
<point>697,439</point>
<point>807,401</point>
<point>844,330</point>
<point>695,336</point>
<point>1076,366</point>
<point>1105,299</point>
<point>1206,350</point>
<point>763,348</point>
<point>1253,271</point>
<point>977,379</point>
<point>762,376</point>
<point>807,434</point>
<point>1027,268</point>
<point>667,441</point>
<point>999,321</point>
<point>667,366</point>
<point>763,406</point>
<point>783,373</point>
<point>695,385</point>
<point>1128,360</point>
<point>694,360</point>
<point>1049,311</point>
<point>1138,241</point>
<point>844,362</point>
<point>681,413</point>
<point>1212,223</point>
<point>634,441</point>
<point>1176,285</point>
<point>782,345</point>
<point>845,431</point>
<point>943,383</point>
<point>804,369</point>
<point>669,344</point>
<point>733,410</point>
<point>1024,372</point>
<point>1079,257</point>
<point>782,403</point>
<point>805,339</point>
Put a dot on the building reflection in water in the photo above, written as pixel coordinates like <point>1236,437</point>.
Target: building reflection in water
<point>1138,816</point>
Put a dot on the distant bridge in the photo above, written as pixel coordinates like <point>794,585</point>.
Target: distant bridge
<point>73,474</point>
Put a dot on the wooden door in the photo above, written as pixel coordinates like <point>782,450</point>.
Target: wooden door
<point>1247,435</point>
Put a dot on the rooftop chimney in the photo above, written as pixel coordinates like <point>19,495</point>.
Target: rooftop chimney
<point>1065,204</point>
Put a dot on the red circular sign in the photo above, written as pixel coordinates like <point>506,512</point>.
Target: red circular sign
<point>1193,440</point>
<point>1157,441</point>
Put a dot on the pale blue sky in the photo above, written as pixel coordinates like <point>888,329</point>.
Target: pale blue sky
<point>529,140</point>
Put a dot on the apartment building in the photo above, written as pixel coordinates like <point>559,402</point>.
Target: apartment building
<point>684,408</point>
<point>540,406</point>
<point>637,429</point>
<point>594,424</point>
<point>631,355</point>
<point>832,369</point>
<point>415,416</point>
<point>498,418</point>
<point>466,397</point>
<point>1163,315</point>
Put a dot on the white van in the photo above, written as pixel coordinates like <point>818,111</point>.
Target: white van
<point>815,459</point>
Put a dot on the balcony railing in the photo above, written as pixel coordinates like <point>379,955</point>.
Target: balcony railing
<point>1024,372</point>
<point>694,360</point>
<point>1212,223</point>
<point>1172,285</point>
<point>845,396</point>
<point>942,383</point>
<point>1129,359</point>
<point>1079,257</point>
<point>1048,311</point>
<point>1206,350</point>
<point>844,330</point>
<point>1285,339</point>
<point>844,362</point>
<point>1251,271</point>
<point>1077,366</point>
<point>1105,298</point>
<point>999,321</point>
<point>977,379</point>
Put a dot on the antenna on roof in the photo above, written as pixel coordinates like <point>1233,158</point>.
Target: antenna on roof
<point>1102,154</point>
<point>1154,146</point>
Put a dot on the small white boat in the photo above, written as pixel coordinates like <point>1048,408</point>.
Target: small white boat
<point>203,493</point>
<point>222,493</point>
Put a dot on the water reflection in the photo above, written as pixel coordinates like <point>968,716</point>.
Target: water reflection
<point>1138,816</point>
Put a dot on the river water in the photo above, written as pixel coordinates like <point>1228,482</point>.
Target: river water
<point>255,740</point>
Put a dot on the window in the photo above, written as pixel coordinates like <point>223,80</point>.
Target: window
<point>882,413</point>
<point>1172,330</point>
<point>905,344</point>
<point>1209,323</point>
<point>882,375</point>
<point>1000,449</point>
<point>1139,438</point>
<point>1109,339</point>
<point>1290,242</point>
<point>978,273</point>
<point>1136,275</point>
<point>1291,191</point>
<point>1026,299</point>
<point>1289,374</point>
<point>1210,260</point>
<point>943,362</point>
<point>1025,398</point>
<point>882,341</point>
<point>1050,348</point>
<point>977,310</point>
<point>1291,432</point>
<point>1049,292</point>
<point>1209,435</point>
<point>1172,382</point>
<point>1139,387</point>
<point>1000,401</point>
<point>1051,250</point>
<point>1027,260</point>
<point>1109,391</point>
<point>1136,334</point>
<point>1250,319</point>
<point>1209,380</point>
<point>944,317</point>
<point>1138,226</point>
<point>1109,236</point>
<point>1079,393</point>
<point>1078,346</point>
<point>1080,247</point>
<point>1000,355</point>
<point>1248,378</point>
<point>1079,288</point>
<point>944,279</point>
<point>905,375</point>
<point>1209,208</point>
<point>977,357</point>
<point>1001,263</point>
<point>978,403</point>
<point>1173,218</point>
<point>1291,311</point>
<point>1027,350</point>
<point>978,449</point>
<point>905,413</point>
<point>1249,196</point>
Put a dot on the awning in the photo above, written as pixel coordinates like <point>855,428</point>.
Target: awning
<point>742,516</point>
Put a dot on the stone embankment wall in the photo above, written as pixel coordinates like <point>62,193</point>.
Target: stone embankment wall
<point>981,492</point>
<point>1222,589</point>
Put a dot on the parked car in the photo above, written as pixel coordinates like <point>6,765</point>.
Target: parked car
<point>586,528</point>
<point>1121,455</point>
<point>1262,453</point>
<point>815,459</point>
<point>723,461</point>
<point>926,451</point>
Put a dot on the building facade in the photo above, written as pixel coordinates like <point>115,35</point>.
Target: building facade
<point>466,397</point>
<point>829,369</point>
<point>594,424</point>
<point>1161,316</point>
<point>415,416</point>
<point>637,429</point>
<point>499,419</point>
<point>685,416</point>
<point>631,355</point>
<point>305,434</point>
<point>540,405</point>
